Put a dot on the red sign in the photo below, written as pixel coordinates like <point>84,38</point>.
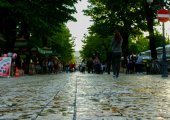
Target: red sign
<point>163,15</point>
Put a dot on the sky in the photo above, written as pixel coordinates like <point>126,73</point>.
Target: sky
<point>79,28</point>
<point>167,28</point>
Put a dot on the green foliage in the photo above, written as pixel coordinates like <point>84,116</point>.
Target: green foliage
<point>62,43</point>
<point>138,44</point>
<point>108,16</point>
<point>159,39</point>
<point>128,17</point>
<point>95,44</point>
<point>42,19</point>
<point>42,16</point>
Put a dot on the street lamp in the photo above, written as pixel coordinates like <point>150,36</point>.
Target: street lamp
<point>164,68</point>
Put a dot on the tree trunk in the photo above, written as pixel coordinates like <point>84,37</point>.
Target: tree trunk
<point>24,31</point>
<point>149,18</point>
<point>8,29</point>
<point>44,41</point>
<point>10,34</point>
<point>125,46</point>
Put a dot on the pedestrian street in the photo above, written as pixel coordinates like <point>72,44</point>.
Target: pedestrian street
<point>83,96</point>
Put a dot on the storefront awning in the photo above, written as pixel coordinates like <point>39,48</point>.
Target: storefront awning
<point>45,51</point>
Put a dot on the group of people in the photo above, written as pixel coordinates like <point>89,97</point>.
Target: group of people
<point>134,64</point>
<point>46,65</point>
<point>93,65</point>
<point>96,66</point>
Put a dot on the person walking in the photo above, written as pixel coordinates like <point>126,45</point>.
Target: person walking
<point>90,65</point>
<point>97,65</point>
<point>108,61</point>
<point>139,64</point>
<point>83,66</point>
<point>116,53</point>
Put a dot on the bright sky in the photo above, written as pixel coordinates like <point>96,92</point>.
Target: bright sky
<point>79,28</point>
<point>167,28</point>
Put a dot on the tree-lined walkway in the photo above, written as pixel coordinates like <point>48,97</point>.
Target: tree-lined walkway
<point>77,96</point>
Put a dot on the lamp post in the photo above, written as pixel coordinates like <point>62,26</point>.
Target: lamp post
<point>164,68</point>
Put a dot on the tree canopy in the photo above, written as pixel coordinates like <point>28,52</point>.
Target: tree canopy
<point>131,18</point>
<point>38,21</point>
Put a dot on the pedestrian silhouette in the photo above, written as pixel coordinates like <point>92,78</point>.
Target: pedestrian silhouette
<point>116,53</point>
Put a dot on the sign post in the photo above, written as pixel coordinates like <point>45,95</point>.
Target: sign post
<point>163,15</point>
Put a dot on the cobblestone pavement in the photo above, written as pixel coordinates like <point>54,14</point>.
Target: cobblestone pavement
<point>78,96</point>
